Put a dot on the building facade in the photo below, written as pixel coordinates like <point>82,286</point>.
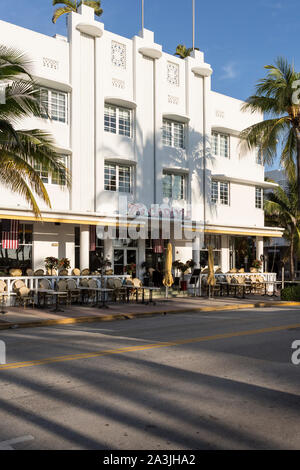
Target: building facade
<point>142,134</point>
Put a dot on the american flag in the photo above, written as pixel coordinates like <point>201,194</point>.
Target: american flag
<point>10,234</point>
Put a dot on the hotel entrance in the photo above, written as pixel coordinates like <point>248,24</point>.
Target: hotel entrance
<point>125,255</point>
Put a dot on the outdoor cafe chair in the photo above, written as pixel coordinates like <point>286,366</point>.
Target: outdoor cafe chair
<point>74,292</point>
<point>45,284</point>
<point>63,272</point>
<point>25,297</point>
<point>75,272</point>
<point>85,272</point>
<point>62,287</point>
<point>39,272</point>
<point>15,272</point>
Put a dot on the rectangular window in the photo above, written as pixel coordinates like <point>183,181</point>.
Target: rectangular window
<point>259,156</point>
<point>110,119</point>
<point>118,120</point>
<point>55,177</point>
<point>214,191</point>
<point>174,186</point>
<point>220,192</point>
<point>54,105</point>
<point>118,178</point>
<point>258,198</point>
<point>215,143</point>
<point>220,144</point>
<point>173,134</point>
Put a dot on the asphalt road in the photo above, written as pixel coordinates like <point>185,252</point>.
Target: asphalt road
<point>216,380</point>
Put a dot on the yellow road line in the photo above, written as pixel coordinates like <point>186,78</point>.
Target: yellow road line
<point>74,357</point>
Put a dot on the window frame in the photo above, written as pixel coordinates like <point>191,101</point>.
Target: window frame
<point>46,175</point>
<point>171,142</point>
<point>118,126</point>
<point>259,158</point>
<point>48,104</point>
<point>216,143</point>
<point>219,198</point>
<point>259,205</point>
<point>117,167</point>
<point>183,184</point>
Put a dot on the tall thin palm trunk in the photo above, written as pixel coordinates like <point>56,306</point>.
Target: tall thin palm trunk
<point>292,264</point>
<point>297,134</point>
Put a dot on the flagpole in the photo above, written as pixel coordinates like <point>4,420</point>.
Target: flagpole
<point>143,10</point>
<point>193,25</point>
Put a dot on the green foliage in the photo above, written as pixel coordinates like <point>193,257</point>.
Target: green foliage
<point>72,5</point>
<point>274,97</point>
<point>291,293</point>
<point>281,208</point>
<point>51,262</point>
<point>21,150</point>
<point>182,51</point>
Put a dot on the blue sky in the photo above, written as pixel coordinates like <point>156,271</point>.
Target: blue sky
<point>237,37</point>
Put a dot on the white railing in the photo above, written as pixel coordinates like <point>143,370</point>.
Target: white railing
<point>33,282</point>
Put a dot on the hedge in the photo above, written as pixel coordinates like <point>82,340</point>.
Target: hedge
<point>291,293</point>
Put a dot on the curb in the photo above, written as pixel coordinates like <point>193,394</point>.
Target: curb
<point>130,316</point>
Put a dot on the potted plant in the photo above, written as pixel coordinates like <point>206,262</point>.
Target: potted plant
<point>130,269</point>
<point>103,263</point>
<point>64,263</point>
<point>51,264</point>
<point>183,268</point>
<point>257,264</point>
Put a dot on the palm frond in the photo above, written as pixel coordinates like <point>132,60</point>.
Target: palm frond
<point>59,12</point>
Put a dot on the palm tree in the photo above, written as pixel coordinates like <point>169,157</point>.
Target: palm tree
<point>281,208</point>
<point>21,151</point>
<point>182,51</point>
<point>73,5</point>
<point>276,97</point>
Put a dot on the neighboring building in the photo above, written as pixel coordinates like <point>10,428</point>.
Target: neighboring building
<point>130,120</point>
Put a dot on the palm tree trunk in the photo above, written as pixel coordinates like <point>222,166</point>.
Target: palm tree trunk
<point>292,266</point>
<point>298,164</point>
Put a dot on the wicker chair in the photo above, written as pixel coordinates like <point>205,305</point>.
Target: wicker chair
<point>62,287</point>
<point>25,297</point>
<point>15,272</point>
<point>39,272</point>
<point>18,285</point>
<point>75,272</point>
<point>92,294</point>
<point>3,298</point>
<point>136,283</point>
<point>74,292</point>
<point>119,292</point>
<point>85,272</point>
<point>63,272</point>
<point>46,284</point>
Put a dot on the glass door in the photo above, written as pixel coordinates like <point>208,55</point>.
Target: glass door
<point>125,260</point>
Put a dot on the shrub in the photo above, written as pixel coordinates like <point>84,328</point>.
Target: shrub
<point>291,293</point>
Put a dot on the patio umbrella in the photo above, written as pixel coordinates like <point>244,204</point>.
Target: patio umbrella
<point>211,280</point>
<point>168,280</point>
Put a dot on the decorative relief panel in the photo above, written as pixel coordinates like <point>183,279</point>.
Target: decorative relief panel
<point>118,54</point>
<point>173,73</point>
<point>118,83</point>
<point>50,63</point>
<point>173,99</point>
<point>220,114</point>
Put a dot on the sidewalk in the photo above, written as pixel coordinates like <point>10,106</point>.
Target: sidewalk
<point>16,317</point>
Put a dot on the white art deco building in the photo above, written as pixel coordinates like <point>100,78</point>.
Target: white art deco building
<point>136,127</point>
